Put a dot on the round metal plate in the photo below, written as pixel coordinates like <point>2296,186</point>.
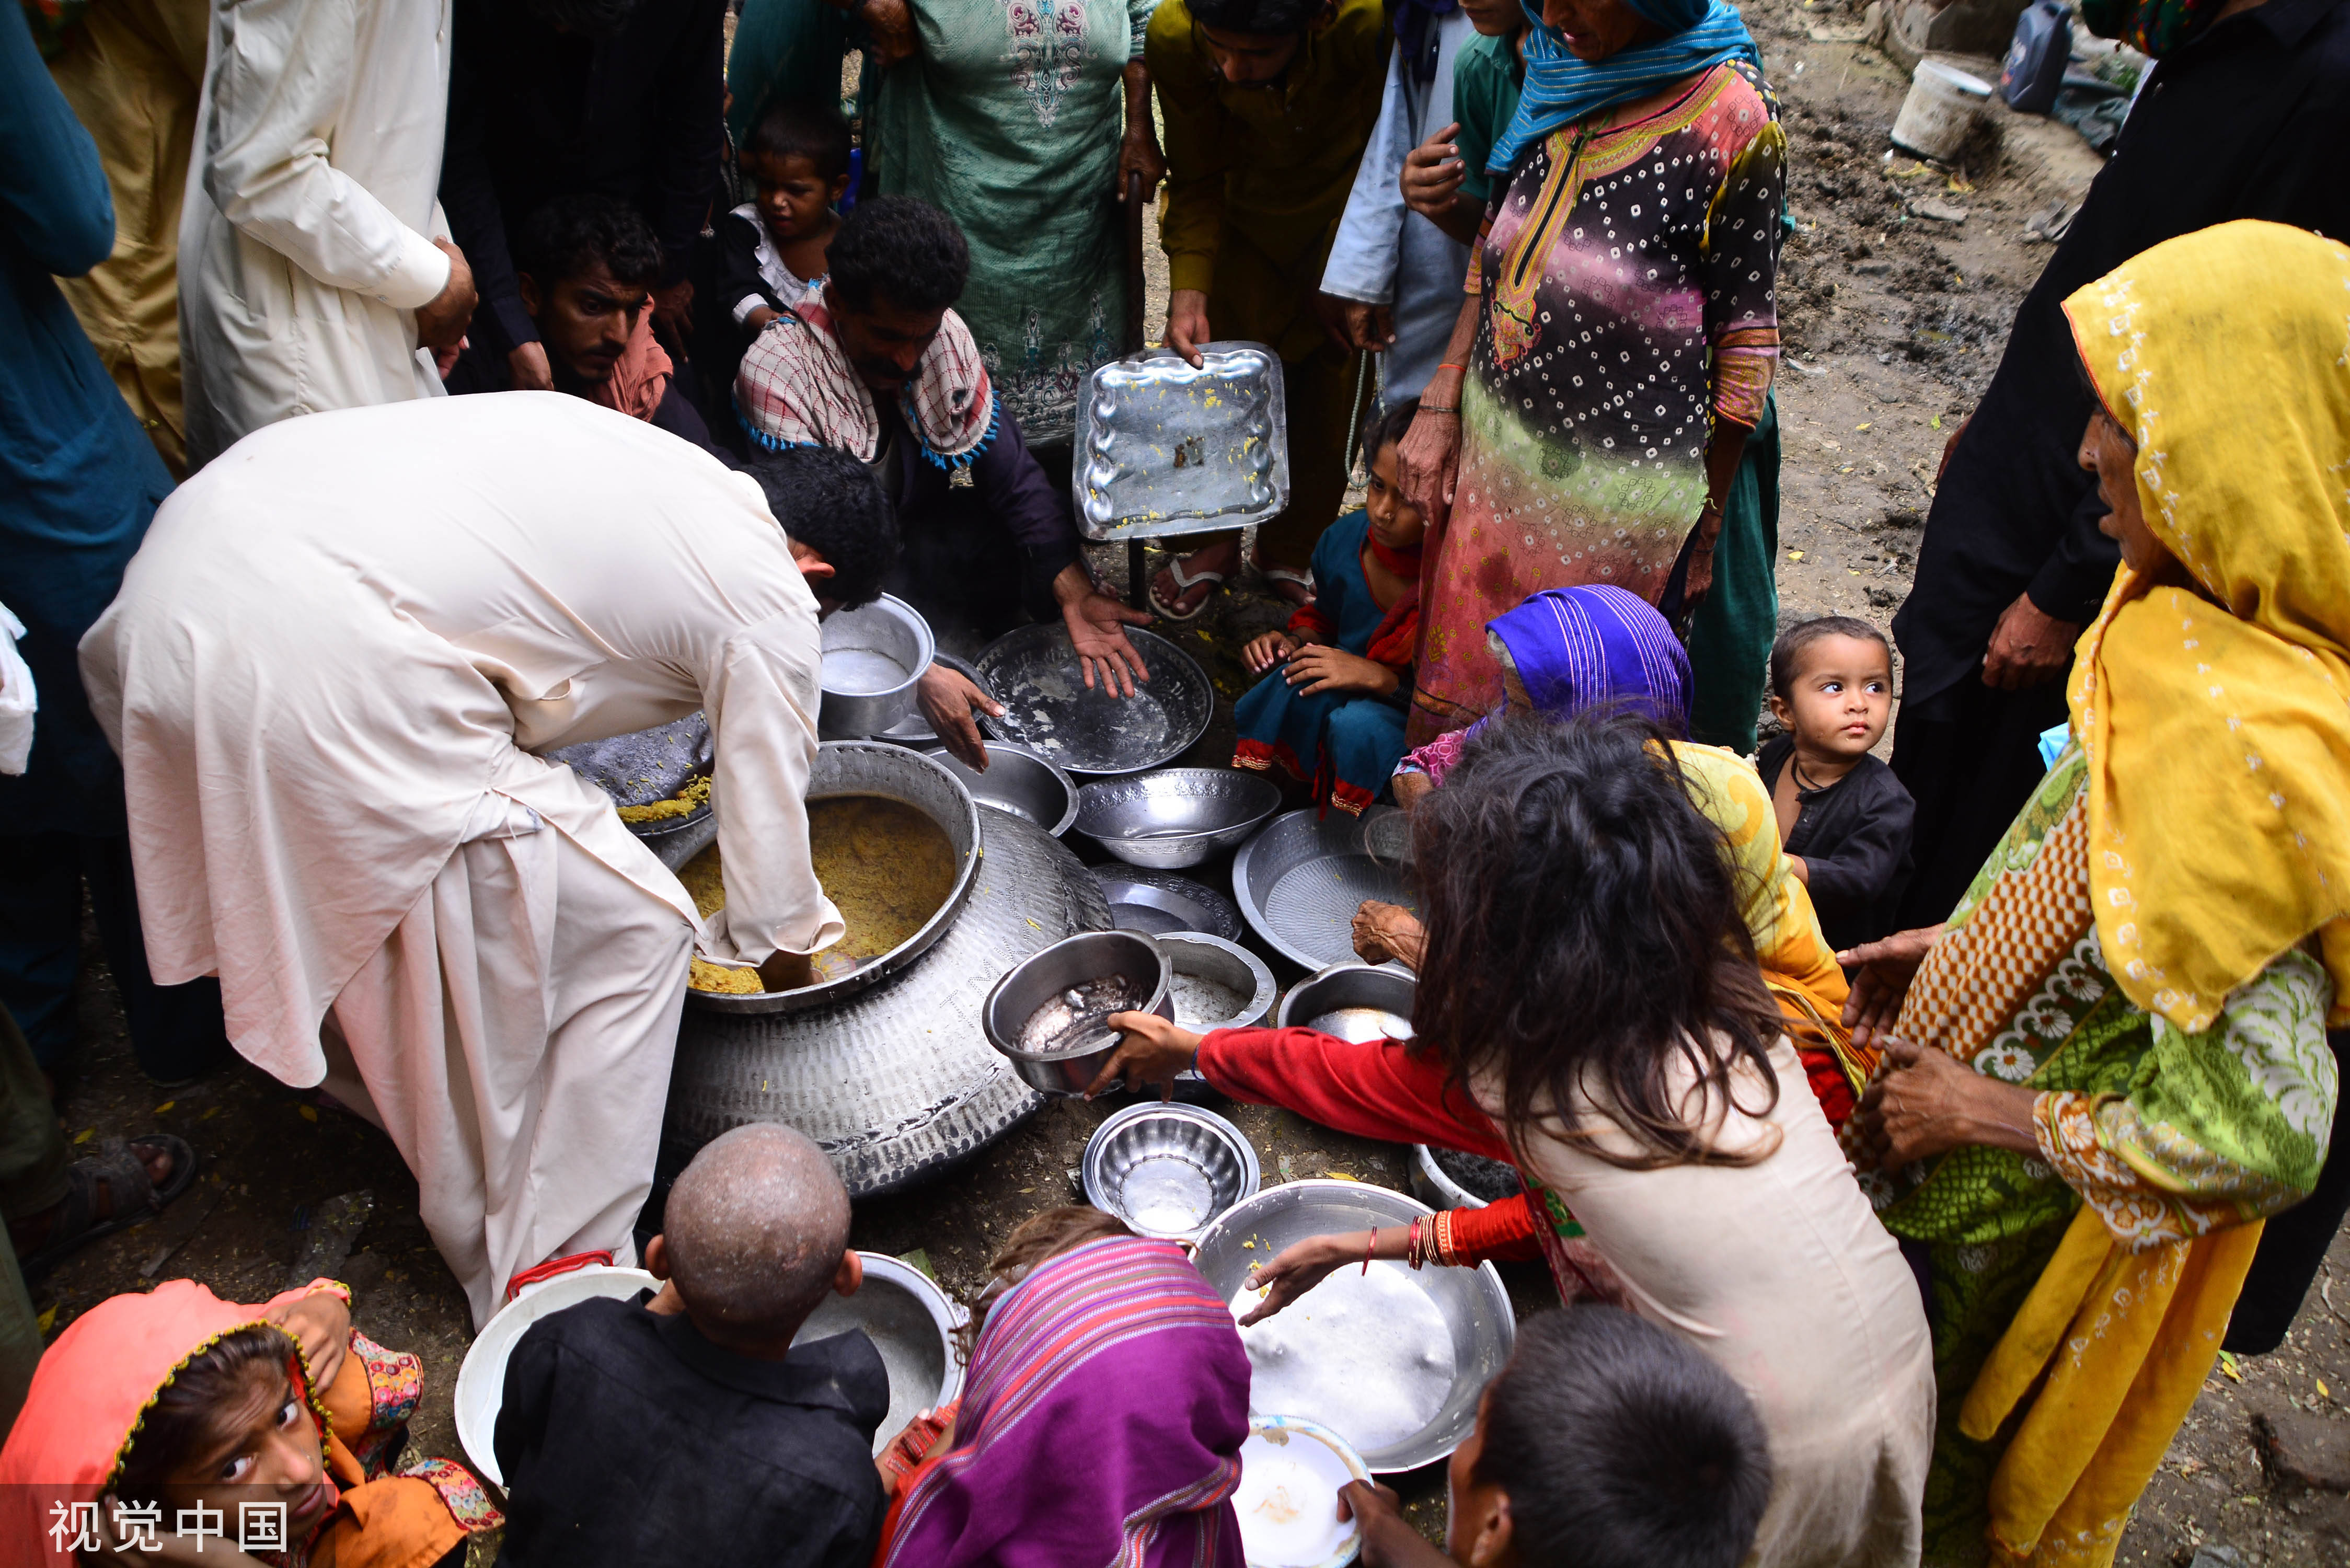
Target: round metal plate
<point>1048,707</point>
<point>1302,878</point>
<point>1142,899</point>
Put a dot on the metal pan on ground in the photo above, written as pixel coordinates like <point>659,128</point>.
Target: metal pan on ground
<point>1046,1015</point>
<point>1300,880</point>
<point>1034,672</point>
<point>1290,1473</point>
<point>1391,1360</point>
<point>481,1379</point>
<point>1173,817</point>
<point>1018,781</point>
<point>1450,1178</point>
<point>1144,899</point>
<point>1168,1169</point>
<point>1219,984</point>
<point>873,655</point>
<point>911,1323</point>
<point>1356,1001</point>
<point>1165,448</point>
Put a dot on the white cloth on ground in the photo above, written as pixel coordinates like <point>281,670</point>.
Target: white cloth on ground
<point>304,235</point>
<point>334,639</point>
<point>1386,253</point>
<point>512,1035</point>
<point>1781,1272</point>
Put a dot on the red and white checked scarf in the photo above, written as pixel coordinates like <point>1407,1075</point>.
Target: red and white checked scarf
<point>796,387</point>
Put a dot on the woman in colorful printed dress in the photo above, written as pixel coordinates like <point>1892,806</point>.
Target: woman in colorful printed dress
<point>2111,1063</point>
<point>1615,353</point>
<point>1022,119</point>
<point>273,1429</point>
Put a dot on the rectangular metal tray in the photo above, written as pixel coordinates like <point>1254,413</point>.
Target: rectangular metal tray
<point>1165,449</point>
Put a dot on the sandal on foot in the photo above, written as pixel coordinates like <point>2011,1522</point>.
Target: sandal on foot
<point>1282,579</point>
<point>1171,609</point>
<point>134,1198</point>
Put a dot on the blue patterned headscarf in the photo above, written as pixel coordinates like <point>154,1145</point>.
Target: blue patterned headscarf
<point>1561,89</point>
<point>1596,645</point>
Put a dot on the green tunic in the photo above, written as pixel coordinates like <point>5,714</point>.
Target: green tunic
<point>1009,117</point>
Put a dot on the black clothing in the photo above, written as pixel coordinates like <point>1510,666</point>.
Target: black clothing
<point>535,114</point>
<point>628,1439</point>
<point>1971,758</point>
<point>2294,1243</point>
<point>739,279</point>
<point>2248,121</point>
<point>478,370</point>
<point>1854,838</point>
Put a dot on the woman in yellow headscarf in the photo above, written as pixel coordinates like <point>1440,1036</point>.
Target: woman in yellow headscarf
<point>2111,1064</point>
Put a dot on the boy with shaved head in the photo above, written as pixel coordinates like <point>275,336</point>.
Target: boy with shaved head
<point>685,1427</point>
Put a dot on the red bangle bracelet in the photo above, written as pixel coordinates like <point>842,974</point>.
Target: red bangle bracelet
<point>1372,1246</point>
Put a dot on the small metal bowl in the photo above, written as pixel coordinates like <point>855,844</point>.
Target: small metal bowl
<point>1218,984</point>
<point>1437,1186</point>
<point>1143,899</point>
<point>1018,781</point>
<point>873,655</point>
<point>911,1323</point>
<point>1044,974</point>
<point>1175,817</point>
<point>1354,1002</point>
<point>1168,1169</point>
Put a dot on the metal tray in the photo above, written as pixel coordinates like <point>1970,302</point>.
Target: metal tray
<point>1165,449</point>
<point>1144,898</point>
<point>1302,878</point>
<point>643,766</point>
<point>1048,707</point>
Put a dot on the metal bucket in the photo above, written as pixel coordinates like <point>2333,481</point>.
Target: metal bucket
<point>1941,112</point>
<point>873,656</point>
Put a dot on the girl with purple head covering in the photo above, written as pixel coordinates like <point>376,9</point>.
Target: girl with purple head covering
<point>1564,650</point>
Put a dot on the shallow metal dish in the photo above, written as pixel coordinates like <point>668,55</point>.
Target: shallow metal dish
<point>1218,984</point>
<point>1144,899</point>
<point>893,772</point>
<point>1303,876</point>
<point>873,655</point>
<point>1356,1001</point>
<point>1049,709</point>
<point>1163,448</point>
<point>1168,1169</point>
<point>1172,817</point>
<point>1044,975</point>
<point>911,1323</point>
<point>1018,781</point>
<point>1472,1303</point>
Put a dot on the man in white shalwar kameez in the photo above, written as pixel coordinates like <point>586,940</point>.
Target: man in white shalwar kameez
<point>327,670</point>
<point>314,260</point>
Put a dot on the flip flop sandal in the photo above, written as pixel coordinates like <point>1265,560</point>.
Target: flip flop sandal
<point>135,1199</point>
<point>1277,576</point>
<point>1184,582</point>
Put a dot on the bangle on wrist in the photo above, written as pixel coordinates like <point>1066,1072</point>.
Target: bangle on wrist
<point>1454,410</point>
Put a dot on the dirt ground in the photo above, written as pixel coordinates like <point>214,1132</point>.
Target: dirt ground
<point>1893,323</point>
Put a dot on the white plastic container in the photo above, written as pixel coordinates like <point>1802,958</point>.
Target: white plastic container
<point>1941,111</point>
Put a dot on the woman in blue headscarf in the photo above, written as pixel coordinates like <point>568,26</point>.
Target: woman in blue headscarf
<point>1618,342</point>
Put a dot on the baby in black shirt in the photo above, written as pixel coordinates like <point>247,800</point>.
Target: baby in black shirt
<point>1843,818</point>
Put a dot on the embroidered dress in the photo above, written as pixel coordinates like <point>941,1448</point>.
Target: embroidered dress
<point>1628,271</point>
<point>1345,743</point>
<point>1008,117</point>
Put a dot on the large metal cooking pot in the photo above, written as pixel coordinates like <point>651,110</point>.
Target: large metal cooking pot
<point>893,772</point>
<point>897,1082</point>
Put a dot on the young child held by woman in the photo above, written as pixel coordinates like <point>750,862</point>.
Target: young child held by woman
<point>175,1426</point>
<point>1605,1442</point>
<point>1843,818</point>
<point>1328,710</point>
<point>772,248</point>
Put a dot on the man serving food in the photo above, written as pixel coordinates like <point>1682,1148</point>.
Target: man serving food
<point>326,672</point>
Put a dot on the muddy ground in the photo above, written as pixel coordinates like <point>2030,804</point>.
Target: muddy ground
<point>1893,322</point>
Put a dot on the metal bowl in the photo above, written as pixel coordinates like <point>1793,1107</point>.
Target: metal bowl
<point>1311,1464</point>
<point>1035,981</point>
<point>481,1391</point>
<point>1018,781</point>
<point>1303,876</point>
<point>1174,817</point>
<point>1218,984</point>
<point>873,655</point>
<point>893,772</point>
<point>1356,1001</point>
<point>1168,1169</point>
<point>911,1323</point>
<point>1472,1322</point>
<point>1145,900</point>
<point>1436,1187</point>
<point>1047,707</point>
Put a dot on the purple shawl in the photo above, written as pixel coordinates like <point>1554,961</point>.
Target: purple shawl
<point>1588,647</point>
<point>1101,1423</point>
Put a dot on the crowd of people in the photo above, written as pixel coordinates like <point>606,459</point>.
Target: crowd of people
<point>397,392</point>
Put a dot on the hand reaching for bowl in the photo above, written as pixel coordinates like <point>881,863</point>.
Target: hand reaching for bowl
<point>1153,1052</point>
<point>1299,1267</point>
<point>1384,931</point>
<point>946,696</point>
<point>1388,1539</point>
